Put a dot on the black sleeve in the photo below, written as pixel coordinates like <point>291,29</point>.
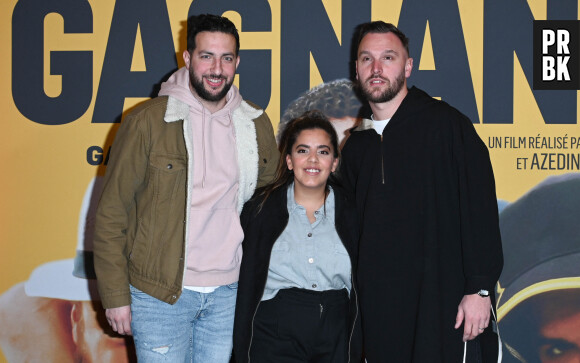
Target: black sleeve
<point>348,170</point>
<point>480,235</point>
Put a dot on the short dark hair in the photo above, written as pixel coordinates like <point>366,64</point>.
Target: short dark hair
<point>335,99</point>
<point>210,23</point>
<point>382,28</point>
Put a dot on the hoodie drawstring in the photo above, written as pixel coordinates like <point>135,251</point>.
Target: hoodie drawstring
<point>203,148</point>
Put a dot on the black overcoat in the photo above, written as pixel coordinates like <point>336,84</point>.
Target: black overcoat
<point>425,194</point>
<point>261,229</point>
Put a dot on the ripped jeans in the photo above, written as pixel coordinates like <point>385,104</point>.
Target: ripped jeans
<point>197,329</point>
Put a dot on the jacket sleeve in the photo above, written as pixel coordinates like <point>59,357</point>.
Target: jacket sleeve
<point>267,150</point>
<point>247,297</point>
<point>348,170</point>
<point>480,235</point>
<point>116,210</point>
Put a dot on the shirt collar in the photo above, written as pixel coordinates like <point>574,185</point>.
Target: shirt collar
<point>292,205</point>
<point>291,202</point>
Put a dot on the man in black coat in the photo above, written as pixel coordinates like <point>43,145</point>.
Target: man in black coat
<point>430,249</point>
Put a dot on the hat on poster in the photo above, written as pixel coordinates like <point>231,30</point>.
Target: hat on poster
<point>541,242</point>
<point>72,279</point>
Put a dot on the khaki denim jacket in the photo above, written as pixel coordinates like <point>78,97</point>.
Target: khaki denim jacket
<point>141,218</point>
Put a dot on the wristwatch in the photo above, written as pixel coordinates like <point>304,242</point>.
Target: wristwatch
<point>483,293</point>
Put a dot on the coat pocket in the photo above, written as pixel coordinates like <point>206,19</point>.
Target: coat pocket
<point>161,212</point>
<point>168,175</point>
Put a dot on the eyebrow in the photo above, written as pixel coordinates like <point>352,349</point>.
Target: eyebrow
<point>388,51</point>
<point>318,147</point>
<point>212,53</point>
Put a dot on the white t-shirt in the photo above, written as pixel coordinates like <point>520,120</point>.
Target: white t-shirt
<point>379,125</point>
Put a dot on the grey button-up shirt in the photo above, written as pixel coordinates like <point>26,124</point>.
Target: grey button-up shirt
<point>308,256</point>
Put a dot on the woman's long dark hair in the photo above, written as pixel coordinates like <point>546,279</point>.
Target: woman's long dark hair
<point>309,120</point>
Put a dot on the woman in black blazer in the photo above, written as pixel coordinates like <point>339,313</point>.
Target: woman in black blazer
<point>297,298</point>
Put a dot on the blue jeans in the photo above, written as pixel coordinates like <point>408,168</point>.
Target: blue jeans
<point>197,328</point>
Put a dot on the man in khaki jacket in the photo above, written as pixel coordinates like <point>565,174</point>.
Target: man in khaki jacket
<point>168,237</point>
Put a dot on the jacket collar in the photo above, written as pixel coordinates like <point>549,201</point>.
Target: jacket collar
<point>277,203</point>
<point>178,110</point>
<point>365,124</point>
<point>414,102</point>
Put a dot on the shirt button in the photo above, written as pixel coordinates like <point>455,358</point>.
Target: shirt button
<point>309,234</point>
<point>310,260</point>
<point>314,286</point>
<point>169,166</point>
<point>316,212</point>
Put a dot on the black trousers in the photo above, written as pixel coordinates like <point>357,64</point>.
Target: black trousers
<point>302,326</point>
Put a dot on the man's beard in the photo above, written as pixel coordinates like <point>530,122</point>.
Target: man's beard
<point>388,94</point>
<point>198,86</point>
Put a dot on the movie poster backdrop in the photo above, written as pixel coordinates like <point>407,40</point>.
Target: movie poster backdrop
<point>72,69</point>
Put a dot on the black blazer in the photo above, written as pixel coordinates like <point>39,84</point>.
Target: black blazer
<point>261,230</point>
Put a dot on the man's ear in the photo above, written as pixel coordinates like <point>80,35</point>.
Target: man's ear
<point>186,58</point>
<point>408,67</point>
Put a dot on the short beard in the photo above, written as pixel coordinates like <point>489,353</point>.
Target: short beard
<point>199,88</point>
<point>388,94</point>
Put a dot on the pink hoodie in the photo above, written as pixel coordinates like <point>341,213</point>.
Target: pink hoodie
<point>214,233</point>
